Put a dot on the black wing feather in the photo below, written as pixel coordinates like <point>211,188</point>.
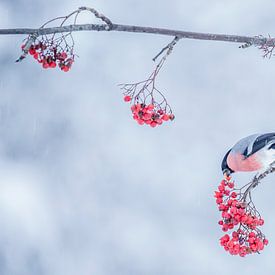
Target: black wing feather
<point>261,142</point>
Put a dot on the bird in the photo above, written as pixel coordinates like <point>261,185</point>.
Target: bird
<point>252,153</point>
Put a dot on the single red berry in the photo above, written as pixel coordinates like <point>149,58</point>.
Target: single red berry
<point>159,121</point>
<point>172,117</point>
<point>265,242</point>
<point>63,55</point>
<point>230,226</point>
<point>231,184</point>
<point>65,69</point>
<point>160,112</point>
<point>225,227</point>
<point>165,117</point>
<point>32,51</point>
<point>221,188</point>
<point>233,210</point>
<point>140,121</point>
<point>260,245</point>
<point>261,222</point>
<point>52,64</point>
<point>218,194</point>
<point>127,98</point>
<point>227,192</point>
<point>227,178</point>
<point>69,61</point>
<point>218,200</point>
<point>150,107</point>
<point>45,65</point>
<point>35,56</point>
<point>147,116</point>
<point>135,117</point>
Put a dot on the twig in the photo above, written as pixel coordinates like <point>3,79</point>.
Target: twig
<point>169,47</point>
<point>27,46</point>
<point>256,180</point>
<point>100,16</point>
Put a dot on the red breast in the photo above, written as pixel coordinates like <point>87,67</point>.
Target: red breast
<point>237,162</point>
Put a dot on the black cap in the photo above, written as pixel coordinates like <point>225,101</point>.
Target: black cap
<point>225,168</point>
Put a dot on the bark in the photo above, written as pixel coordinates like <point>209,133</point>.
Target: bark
<point>248,40</point>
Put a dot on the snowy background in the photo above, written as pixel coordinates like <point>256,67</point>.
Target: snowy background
<point>83,188</point>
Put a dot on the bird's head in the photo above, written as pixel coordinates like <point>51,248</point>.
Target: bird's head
<point>226,170</point>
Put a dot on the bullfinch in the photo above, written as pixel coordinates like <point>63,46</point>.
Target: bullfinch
<point>252,153</point>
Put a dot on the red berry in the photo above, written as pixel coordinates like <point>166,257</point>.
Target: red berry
<point>161,112</point>
<point>65,69</point>
<point>147,116</point>
<point>159,121</point>
<point>231,226</point>
<point>227,178</point>
<point>52,64</point>
<point>261,222</point>
<point>140,121</point>
<point>150,107</point>
<point>221,188</point>
<point>127,98</point>
<point>227,192</point>
<point>32,51</point>
<point>231,185</point>
<point>135,117</point>
<point>225,227</point>
<point>172,117</point>
<point>35,56</point>
<point>218,200</point>
<point>165,117</point>
<point>63,55</point>
<point>45,65</point>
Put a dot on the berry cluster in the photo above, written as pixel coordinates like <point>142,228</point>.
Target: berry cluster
<point>235,211</point>
<point>148,104</point>
<point>151,114</point>
<point>49,55</point>
<point>243,243</point>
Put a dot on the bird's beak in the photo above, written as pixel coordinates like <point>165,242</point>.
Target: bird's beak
<point>226,175</point>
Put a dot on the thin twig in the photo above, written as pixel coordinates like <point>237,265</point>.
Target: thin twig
<point>100,16</point>
<point>29,42</point>
<point>169,47</point>
<point>256,180</point>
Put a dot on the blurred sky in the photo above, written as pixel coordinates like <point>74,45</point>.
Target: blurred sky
<point>84,189</point>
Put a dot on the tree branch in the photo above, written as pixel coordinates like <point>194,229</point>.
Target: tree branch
<point>253,40</point>
<point>256,180</point>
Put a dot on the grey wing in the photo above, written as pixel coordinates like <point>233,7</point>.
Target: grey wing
<point>260,142</point>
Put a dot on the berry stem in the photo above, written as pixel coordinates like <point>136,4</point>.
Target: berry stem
<point>256,180</point>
